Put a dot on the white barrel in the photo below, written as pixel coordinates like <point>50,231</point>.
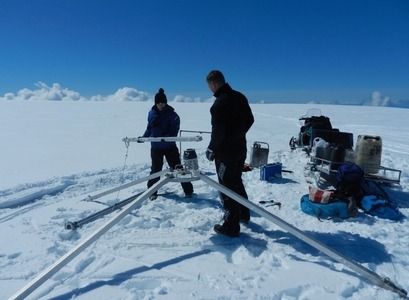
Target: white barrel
<point>318,143</point>
<point>368,153</point>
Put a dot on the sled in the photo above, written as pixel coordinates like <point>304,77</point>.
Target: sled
<point>322,173</point>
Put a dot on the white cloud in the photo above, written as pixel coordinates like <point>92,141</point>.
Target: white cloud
<point>180,98</point>
<point>58,93</point>
<point>377,99</point>
<point>124,94</point>
<point>44,92</point>
<point>24,94</point>
<point>8,96</point>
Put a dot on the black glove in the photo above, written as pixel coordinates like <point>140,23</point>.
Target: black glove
<point>138,140</point>
<point>210,155</point>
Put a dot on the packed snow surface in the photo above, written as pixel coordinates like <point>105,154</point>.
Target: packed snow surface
<point>54,155</point>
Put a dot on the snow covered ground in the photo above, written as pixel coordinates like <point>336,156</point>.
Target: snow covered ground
<point>55,154</point>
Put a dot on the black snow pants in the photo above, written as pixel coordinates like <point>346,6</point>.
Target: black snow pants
<point>229,175</point>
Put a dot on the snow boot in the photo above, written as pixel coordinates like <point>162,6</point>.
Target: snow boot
<point>227,230</point>
<point>245,215</point>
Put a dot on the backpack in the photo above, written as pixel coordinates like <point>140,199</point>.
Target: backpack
<point>350,172</point>
<point>380,207</point>
<point>318,122</point>
<point>335,209</point>
<point>350,178</point>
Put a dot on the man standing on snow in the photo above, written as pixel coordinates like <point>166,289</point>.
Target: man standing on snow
<point>163,121</point>
<point>231,118</point>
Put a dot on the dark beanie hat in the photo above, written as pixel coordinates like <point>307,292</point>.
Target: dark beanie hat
<point>160,97</point>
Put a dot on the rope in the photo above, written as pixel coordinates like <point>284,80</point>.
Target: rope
<point>125,161</point>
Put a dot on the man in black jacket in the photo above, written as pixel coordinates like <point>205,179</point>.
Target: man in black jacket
<point>231,118</point>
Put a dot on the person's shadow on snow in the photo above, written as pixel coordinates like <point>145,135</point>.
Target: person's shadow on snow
<point>122,277</point>
<point>228,245</point>
<point>351,246</point>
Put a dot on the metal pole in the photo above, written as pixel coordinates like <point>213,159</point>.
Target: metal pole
<point>154,175</point>
<point>76,224</point>
<point>197,138</point>
<point>191,131</point>
<point>368,274</point>
<point>54,268</point>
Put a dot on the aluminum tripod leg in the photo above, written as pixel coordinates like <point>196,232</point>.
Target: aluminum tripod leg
<point>54,268</point>
<point>74,225</point>
<point>368,274</point>
<point>135,182</point>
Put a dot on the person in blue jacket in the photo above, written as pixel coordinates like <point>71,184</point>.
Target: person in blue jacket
<point>163,121</point>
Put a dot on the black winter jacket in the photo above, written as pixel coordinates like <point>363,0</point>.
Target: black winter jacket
<point>231,118</point>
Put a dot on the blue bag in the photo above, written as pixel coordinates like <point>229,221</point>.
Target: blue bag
<point>379,207</point>
<point>350,172</point>
<point>336,209</point>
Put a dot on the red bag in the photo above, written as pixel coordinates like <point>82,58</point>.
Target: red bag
<point>320,196</point>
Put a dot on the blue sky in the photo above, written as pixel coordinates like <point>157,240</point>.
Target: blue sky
<point>275,51</point>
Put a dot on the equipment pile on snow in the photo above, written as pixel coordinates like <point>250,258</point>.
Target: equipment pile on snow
<point>349,174</point>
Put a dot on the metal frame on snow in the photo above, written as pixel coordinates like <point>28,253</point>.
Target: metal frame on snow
<point>184,175</point>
